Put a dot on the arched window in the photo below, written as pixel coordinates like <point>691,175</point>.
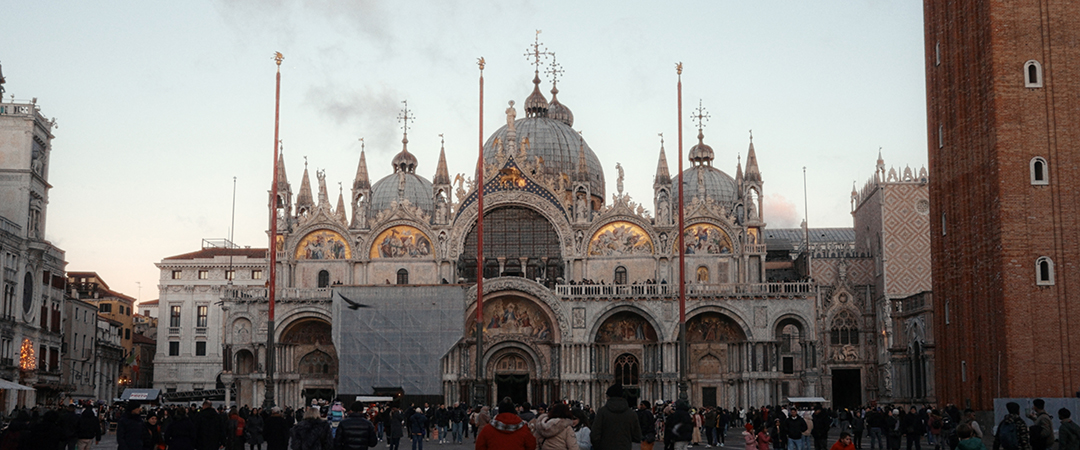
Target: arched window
<point>314,363</point>
<point>845,329</point>
<point>1039,174</point>
<point>620,275</point>
<point>626,370</point>
<point>1044,271</point>
<point>1033,74</point>
<point>702,274</point>
<point>324,278</point>
<point>402,276</point>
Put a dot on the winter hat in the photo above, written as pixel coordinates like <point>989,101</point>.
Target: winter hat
<point>749,427</point>
<point>615,391</point>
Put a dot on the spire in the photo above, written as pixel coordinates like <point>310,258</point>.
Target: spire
<point>361,181</point>
<point>282,181</point>
<point>442,176</point>
<point>582,167</point>
<point>304,201</point>
<point>738,175</point>
<point>663,176</point>
<point>340,210</point>
<point>752,173</point>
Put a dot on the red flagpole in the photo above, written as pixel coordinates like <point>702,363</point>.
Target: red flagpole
<point>682,256</point>
<point>268,401</point>
<point>480,393</point>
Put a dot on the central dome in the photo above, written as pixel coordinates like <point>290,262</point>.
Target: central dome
<point>558,145</point>
<point>718,185</point>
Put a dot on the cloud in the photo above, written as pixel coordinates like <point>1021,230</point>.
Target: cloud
<point>781,212</point>
<point>371,111</point>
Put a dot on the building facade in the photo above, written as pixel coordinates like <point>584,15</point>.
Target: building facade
<point>33,269</point>
<point>80,330</point>
<point>189,335</point>
<point>1001,99</point>
<point>112,305</point>
<point>579,293</point>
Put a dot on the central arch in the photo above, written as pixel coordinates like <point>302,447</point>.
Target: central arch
<point>518,241</point>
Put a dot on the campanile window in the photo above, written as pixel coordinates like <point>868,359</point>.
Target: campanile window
<point>1033,74</point>
<point>1039,175</point>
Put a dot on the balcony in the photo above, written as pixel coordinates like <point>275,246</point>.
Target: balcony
<point>286,295</point>
<point>693,290</point>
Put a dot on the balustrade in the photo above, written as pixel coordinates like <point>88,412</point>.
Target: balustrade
<point>618,291</point>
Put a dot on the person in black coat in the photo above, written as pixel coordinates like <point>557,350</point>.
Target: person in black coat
<point>679,425</point>
<point>822,423</point>
<point>88,428</point>
<point>276,430</point>
<point>130,429</point>
<point>355,432</point>
<point>312,432</point>
<point>913,428</point>
<point>67,424</point>
<point>209,428</point>
<point>180,434</point>
<point>395,428</point>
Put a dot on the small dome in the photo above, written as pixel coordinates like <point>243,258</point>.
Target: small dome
<point>417,191</point>
<point>536,105</point>
<point>701,153</point>
<point>559,111</point>
<point>404,161</point>
<point>718,185</point>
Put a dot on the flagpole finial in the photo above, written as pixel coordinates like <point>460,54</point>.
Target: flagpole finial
<point>678,68</point>
<point>278,58</point>
<point>480,62</point>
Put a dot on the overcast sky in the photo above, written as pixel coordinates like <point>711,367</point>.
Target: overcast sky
<point>161,104</point>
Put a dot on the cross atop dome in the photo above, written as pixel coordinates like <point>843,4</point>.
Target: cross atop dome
<point>701,115</point>
<point>536,53</point>
<point>404,117</point>
<point>554,71</point>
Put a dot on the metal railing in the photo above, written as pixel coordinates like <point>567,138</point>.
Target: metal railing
<point>283,294</point>
<point>608,291</point>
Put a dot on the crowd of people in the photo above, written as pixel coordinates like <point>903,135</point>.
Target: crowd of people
<point>617,425</point>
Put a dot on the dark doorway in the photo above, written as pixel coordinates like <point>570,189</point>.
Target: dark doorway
<point>708,396</point>
<point>515,386</point>
<point>320,394</point>
<point>847,388</point>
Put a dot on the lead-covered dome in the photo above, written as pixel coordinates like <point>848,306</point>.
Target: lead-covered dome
<point>559,146</point>
<point>403,184</point>
<point>718,185</point>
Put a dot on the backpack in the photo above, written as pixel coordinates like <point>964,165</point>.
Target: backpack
<point>1008,436</point>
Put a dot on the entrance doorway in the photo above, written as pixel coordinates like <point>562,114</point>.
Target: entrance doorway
<point>847,388</point>
<point>515,386</point>
<point>317,394</point>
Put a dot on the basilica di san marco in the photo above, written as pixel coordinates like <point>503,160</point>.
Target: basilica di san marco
<point>580,285</point>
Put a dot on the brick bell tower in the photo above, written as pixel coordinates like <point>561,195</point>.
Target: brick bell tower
<point>1002,81</point>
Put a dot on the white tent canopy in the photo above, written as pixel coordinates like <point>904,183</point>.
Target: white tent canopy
<point>5,384</point>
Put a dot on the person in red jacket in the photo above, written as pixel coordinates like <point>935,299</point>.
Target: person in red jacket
<point>506,431</point>
<point>844,443</point>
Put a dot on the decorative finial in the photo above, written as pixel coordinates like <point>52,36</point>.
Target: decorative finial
<point>535,54</point>
<point>701,115</point>
<point>480,62</point>
<point>281,145</point>
<point>554,70</point>
<point>361,144</point>
<point>305,162</point>
<point>751,136</point>
<point>661,134</point>
<point>339,190</point>
<point>678,68</point>
<point>442,141</point>
<point>405,118</point>
<point>278,58</point>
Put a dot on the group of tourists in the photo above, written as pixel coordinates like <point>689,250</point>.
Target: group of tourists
<point>617,425</point>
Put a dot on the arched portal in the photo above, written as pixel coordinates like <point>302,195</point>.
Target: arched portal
<point>627,349</point>
<point>715,342</point>
<point>245,386</point>
<point>307,349</point>
<point>518,241</point>
<point>511,375</point>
